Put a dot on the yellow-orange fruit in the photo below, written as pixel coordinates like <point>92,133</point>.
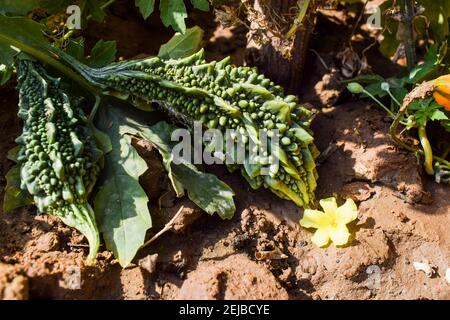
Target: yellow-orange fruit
<point>442,79</point>
<point>442,100</point>
<point>443,88</point>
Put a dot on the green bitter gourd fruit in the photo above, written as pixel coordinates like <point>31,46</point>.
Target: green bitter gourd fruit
<point>223,96</point>
<point>58,156</point>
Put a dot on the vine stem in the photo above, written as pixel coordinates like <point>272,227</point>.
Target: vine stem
<point>46,58</point>
<point>166,228</point>
<point>428,152</point>
<point>299,19</point>
<point>389,112</point>
<point>408,14</point>
<point>95,108</point>
<point>393,98</point>
<point>393,134</point>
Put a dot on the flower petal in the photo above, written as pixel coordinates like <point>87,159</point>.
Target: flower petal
<point>329,205</point>
<point>321,237</point>
<point>347,212</point>
<point>314,219</point>
<point>339,235</point>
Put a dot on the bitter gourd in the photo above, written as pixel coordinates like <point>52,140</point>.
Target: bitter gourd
<point>58,156</point>
<point>223,96</point>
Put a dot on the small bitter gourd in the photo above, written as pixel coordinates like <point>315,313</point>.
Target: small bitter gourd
<point>58,156</point>
<point>223,96</point>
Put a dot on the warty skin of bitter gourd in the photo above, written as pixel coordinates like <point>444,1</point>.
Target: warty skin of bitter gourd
<point>58,155</point>
<point>222,96</point>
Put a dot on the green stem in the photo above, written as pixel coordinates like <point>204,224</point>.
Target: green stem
<point>46,58</point>
<point>428,152</point>
<point>393,98</point>
<point>166,228</point>
<point>95,108</point>
<point>298,21</point>
<point>103,7</point>
<point>391,114</point>
<point>393,133</point>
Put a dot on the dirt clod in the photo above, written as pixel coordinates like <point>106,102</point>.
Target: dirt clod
<point>357,191</point>
<point>149,263</point>
<point>236,277</point>
<point>13,286</point>
<point>48,242</point>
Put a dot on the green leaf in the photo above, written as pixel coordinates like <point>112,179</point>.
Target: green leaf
<point>7,55</point>
<point>389,44</point>
<point>20,7</point>
<point>366,79</point>
<point>204,189</point>
<point>374,87</point>
<point>146,7</point>
<point>55,6</point>
<point>95,10</point>
<point>18,29</point>
<point>14,196</point>
<point>373,84</point>
<point>427,109</point>
<point>173,13</point>
<point>431,24</point>
<point>159,140</point>
<point>437,13</point>
<point>375,90</point>
<point>103,53</point>
<point>76,49</point>
<point>5,74</point>
<point>182,45</point>
<point>426,69</point>
<point>28,36</point>
<point>102,140</point>
<point>438,115</point>
<point>13,153</point>
<point>200,4</point>
<point>121,203</point>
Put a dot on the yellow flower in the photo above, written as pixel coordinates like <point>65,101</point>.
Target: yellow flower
<point>331,224</point>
